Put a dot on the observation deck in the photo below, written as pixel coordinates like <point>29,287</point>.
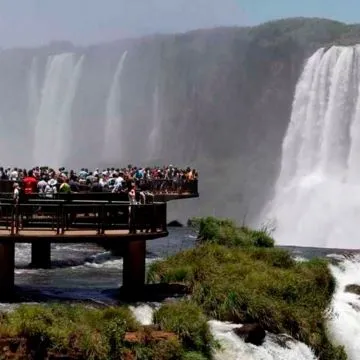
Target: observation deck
<point>105,218</point>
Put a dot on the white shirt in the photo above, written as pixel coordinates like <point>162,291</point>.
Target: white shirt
<point>14,175</point>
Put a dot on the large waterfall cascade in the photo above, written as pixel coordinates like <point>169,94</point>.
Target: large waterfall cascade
<point>317,195</point>
<point>155,134</point>
<point>53,120</point>
<point>113,121</point>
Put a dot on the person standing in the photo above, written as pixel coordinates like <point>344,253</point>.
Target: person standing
<point>30,183</point>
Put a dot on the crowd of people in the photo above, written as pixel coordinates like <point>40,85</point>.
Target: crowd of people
<point>48,181</point>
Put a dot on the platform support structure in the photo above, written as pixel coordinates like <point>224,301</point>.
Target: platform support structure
<point>7,269</point>
<point>134,268</point>
<point>40,255</point>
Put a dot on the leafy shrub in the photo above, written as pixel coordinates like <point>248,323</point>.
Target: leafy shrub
<point>187,320</point>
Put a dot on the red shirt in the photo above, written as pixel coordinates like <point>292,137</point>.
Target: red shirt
<point>30,185</point>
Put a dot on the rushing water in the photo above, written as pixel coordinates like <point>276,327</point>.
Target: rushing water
<point>113,125</point>
<point>54,115</point>
<point>317,195</point>
<point>155,134</point>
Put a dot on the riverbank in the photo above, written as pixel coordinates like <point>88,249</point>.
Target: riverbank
<point>236,275</point>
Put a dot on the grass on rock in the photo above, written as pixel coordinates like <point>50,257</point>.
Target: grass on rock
<point>226,232</point>
<point>99,334</point>
<point>237,281</point>
<point>187,320</point>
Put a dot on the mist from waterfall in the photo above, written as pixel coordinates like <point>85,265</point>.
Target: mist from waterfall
<point>317,195</point>
<point>33,92</point>
<point>114,141</point>
<point>155,134</point>
<point>53,135</point>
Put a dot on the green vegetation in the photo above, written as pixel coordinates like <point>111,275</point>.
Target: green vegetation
<point>248,283</point>
<point>226,232</point>
<point>100,334</point>
<point>187,320</point>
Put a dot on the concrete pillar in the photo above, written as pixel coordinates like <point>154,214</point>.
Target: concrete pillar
<point>134,267</point>
<point>7,267</point>
<point>40,255</point>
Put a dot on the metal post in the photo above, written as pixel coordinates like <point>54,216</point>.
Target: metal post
<point>7,267</point>
<point>134,267</point>
<point>40,255</point>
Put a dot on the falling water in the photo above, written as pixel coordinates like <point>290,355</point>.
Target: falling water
<point>33,91</point>
<point>155,138</point>
<point>53,121</point>
<point>33,101</point>
<point>317,195</point>
<point>113,127</point>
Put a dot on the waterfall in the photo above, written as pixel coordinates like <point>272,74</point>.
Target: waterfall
<point>317,195</point>
<point>53,121</point>
<point>33,92</point>
<point>155,134</point>
<point>113,123</point>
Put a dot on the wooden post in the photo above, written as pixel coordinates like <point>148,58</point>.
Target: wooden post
<point>7,268</point>
<point>134,267</point>
<point>40,255</point>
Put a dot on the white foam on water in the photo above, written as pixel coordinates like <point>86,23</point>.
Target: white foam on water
<point>344,324</point>
<point>144,312</point>
<point>234,348</point>
<point>300,259</point>
<point>115,263</point>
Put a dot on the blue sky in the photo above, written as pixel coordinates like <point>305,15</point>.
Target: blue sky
<point>36,22</point>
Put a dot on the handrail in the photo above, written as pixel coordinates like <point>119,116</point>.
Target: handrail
<point>104,216</point>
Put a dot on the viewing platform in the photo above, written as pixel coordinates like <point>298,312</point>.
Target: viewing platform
<point>107,223</point>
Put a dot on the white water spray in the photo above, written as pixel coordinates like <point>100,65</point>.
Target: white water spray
<point>233,348</point>
<point>344,324</point>
<point>113,124</point>
<point>53,121</point>
<point>317,195</point>
<point>33,92</point>
<point>155,134</point>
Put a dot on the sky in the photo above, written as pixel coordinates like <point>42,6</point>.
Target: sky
<point>37,22</point>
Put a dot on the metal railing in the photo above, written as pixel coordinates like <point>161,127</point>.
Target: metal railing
<point>61,216</point>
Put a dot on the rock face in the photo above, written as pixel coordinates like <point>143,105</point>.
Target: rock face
<point>251,333</point>
<point>175,223</point>
<point>353,288</point>
<point>218,99</point>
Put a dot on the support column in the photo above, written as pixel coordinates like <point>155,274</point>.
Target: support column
<point>7,268</point>
<point>41,255</point>
<point>134,267</point>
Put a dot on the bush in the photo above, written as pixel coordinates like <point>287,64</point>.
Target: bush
<point>187,320</point>
<point>262,285</point>
<point>192,355</point>
<point>72,327</point>
<point>225,232</point>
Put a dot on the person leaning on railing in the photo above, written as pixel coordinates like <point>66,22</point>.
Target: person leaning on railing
<point>132,202</point>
